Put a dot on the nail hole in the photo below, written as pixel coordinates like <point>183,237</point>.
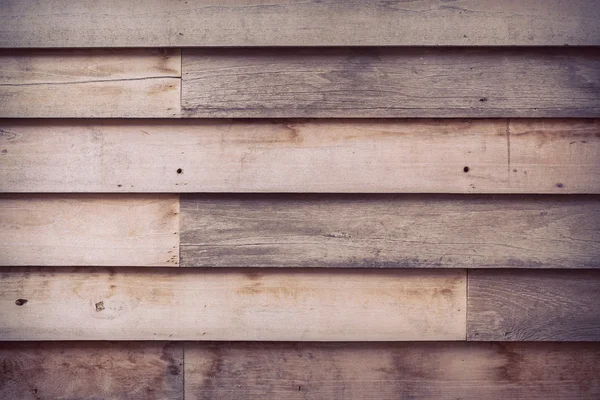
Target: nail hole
<point>21,302</point>
<point>483,99</point>
<point>466,169</point>
<point>559,185</point>
<point>179,171</point>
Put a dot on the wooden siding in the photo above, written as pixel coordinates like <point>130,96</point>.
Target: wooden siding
<point>424,156</point>
<point>156,23</point>
<point>196,304</point>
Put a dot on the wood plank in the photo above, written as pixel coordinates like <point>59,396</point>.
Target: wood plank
<point>500,156</point>
<point>218,304</point>
<point>132,230</point>
<point>390,231</point>
<point>90,83</point>
<point>156,23</point>
<point>91,370</point>
<point>534,305</point>
<point>380,371</point>
<point>391,82</point>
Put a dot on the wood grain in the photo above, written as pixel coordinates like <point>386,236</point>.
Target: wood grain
<point>90,83</point>
<point>499,156</point>
<point>391,82</point>
<point>379,371</point>
<point>196,304</point>
<point>131,230</point>
<point>390,231</point>
<point>534,305</point>
<point>110,23</point>
<point>91,370</point>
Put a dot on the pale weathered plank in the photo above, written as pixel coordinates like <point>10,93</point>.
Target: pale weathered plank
<point>534,305</point>
<point>218,304</point>
<point>129,230</point>
<point>380,371</point>
<point>110,23</point>
<point>90,83</point>
<point>391,82</point>
<point>408,231</point>
<point>447,156</point>
<point>91,370</point>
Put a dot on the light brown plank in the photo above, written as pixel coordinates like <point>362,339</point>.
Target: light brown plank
<point>110,23</point>
<point>534,305</point>
<point>131,230</point>
<point>500,156</point>
<point>90,83</point>
<point>92,370</point>
<point>391,82</point>
<point>196,304</point>
<point>377,231</point>
<point>445,371</point>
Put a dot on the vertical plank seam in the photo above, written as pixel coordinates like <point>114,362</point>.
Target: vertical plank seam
<point>467,308</point>
<point>180,81</point>
<point>179,230</point>
<point>508,146</point>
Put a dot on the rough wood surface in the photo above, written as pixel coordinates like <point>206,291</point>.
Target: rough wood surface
<point>111,23</point>
<point>90,83</point>
<point>534,305</point>
<point>121,230</point>
<point>407,231</point>
<point>196,304</point>
<point>499,156</point>
<point>380,371</point>
<point>91,370</point>
<point>391,82</point>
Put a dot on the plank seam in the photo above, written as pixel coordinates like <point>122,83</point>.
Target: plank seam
<point>89,81</point>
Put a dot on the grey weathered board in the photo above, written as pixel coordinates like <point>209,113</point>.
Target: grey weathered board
<point>382,371</point>
<point>151,23</point>
<point>323,155</point>
<point>391,82</point>
<point>528,305</point>
<point>91,370</point>
<point>407,231</point>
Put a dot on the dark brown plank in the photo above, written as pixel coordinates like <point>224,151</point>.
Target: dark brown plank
<point>389,231</point>
<point>91,370</point>
<point>391,82</point>
<point>151,23</point>
<point>445,371</point>
<point>531,305</point>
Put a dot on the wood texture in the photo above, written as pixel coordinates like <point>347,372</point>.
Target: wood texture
<point>111,23</point>
<point>501,156</point>
<point>534,305</point>
<point>130,230</point>
<point>92,370</point>
<point>196,304</point>
<point>391,231</point>
<point>380,371</point>
<point>90,83</point>
<point>393,82</point>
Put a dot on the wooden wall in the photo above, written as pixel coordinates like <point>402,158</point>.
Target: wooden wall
<point>299,199</point>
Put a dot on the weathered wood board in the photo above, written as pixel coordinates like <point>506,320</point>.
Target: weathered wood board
<point>91,229</point>
<point>390,231</point>
<point>433,156</point>
<point>525,305</point>
<point>155,23</point>
<point>97,83</point>
<point>381,371</point>
<point>196,304</point>
<point>91,370</point>
<point>391,82</point>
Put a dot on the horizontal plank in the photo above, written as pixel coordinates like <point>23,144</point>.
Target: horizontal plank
<point>387,231</point>
<point>379,371</point>
<point>197,304</point>
<point>108,23</point>
<point>91,370</point>
<point>426,156</point>
<point>391,82</point>
<point>534,305</point>
<point>132,230</point>
<point>90,83</point>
